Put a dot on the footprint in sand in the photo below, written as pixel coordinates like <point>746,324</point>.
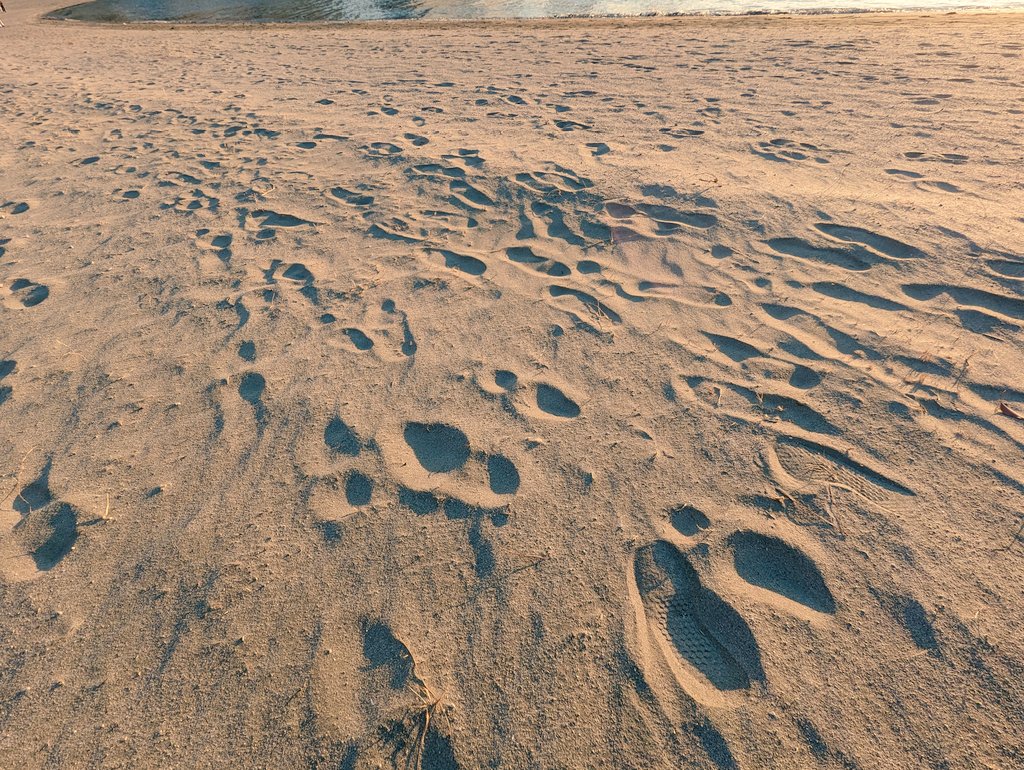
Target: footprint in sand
<point>572,125</point>
<point>439,448</point>
<point>358,489</point>
<point>463,263</point>
<point>15,207</point>
<point>220,244</point>
<point>251,388</point>
<point>376,332</point>
<point>351,197</point>
<point>774,565</point>
<point>7,368</point>
<point>815,477</point>
<point>358,338</point>
<point>681,132</point>
<point>355,480</point>
<point>399,690</point>
<point>787,151</point>
<point>524,255</point>
<point>435,469</point>
<point>24,293</point>
<point>408,345</point>
<point>195,202</point>
<point>661,220</point>
<point>552,401</point>
<point>341,439</point>
<point>708,645</point>
<point>381,150</point>
<point>466,157</point>
<point>535,398</point>
<point>296,274</point>
<point>688,521</point>
<point>43,532</point>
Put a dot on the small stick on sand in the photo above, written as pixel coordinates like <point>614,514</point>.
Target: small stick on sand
<point>1013,540</point>
<point>1005,409</point>
<point>17,476</point>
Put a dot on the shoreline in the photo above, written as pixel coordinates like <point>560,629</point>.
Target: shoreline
<point>539,21</point>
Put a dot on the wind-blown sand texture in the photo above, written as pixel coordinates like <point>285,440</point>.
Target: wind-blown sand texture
<point>588,394</point>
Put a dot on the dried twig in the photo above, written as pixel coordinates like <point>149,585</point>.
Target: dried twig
<point>17,476</point>
<point>1013,540</point>
<point>1005,409</point>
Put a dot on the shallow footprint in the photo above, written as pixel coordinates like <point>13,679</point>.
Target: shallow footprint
<point>773,564</point>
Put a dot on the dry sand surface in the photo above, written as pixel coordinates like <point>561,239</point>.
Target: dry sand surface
<point>590,394</point>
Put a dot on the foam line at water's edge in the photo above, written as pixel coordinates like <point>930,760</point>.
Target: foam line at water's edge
<point>66,14</point>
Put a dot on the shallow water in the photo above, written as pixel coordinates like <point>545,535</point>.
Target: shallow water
<point>352,10</point>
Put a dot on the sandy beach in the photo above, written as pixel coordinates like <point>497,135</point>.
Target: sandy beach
<point>563,394</point>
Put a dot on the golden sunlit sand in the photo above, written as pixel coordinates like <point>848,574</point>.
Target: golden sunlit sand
<point>558,394</point>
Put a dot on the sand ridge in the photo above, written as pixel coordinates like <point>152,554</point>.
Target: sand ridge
<point>605,394</point>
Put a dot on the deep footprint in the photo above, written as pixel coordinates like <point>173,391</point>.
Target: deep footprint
<point>688,520</point>
<point>502,475</point>
<point>341,438</point>
<point>439,448</point>
<point>553,401</point>
<point>358,488</point>
<point>694,621</point>
<point>773,564</point>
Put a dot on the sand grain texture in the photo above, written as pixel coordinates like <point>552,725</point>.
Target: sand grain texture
<point>591,394</point>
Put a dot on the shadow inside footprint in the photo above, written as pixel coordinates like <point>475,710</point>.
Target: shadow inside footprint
<point>702,629</point>
<point>503,475</point>
<point>439,448</point>
<point>251,389</point>
<point>341,438</point>
<point>773,564</point>
<point>688,520</point>
<point>358,488</point>
<point>553,401</point>
<point>358,338</point>
<point>63,526</point>
<point>505,379</point>
<point>36,494</point>
<point>384,651</point>
<point>438,753</point>
<point>421,503</point>
<point>29,292</point>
